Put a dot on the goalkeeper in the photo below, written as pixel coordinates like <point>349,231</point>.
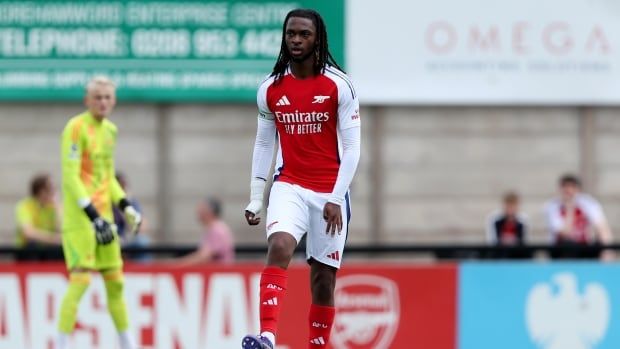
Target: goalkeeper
<point>89,189</point>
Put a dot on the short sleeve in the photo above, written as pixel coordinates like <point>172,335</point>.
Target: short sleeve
<point>23,216</point>
<point>491,228</point>
<point>593,210</point>
<point>555,222</point>
<point>216,239</point>
<point>261,100</point>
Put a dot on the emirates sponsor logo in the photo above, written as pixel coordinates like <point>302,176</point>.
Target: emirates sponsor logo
<point>301,117</point>
<point>302,123</point>
<point>367,312</point>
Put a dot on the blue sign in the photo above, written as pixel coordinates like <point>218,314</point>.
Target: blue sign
<point>539,306</point>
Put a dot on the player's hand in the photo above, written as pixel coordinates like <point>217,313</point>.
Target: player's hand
<point>333,216</point>
<point>104,231</point>
<point>133,219</point>
<point>252,211</point>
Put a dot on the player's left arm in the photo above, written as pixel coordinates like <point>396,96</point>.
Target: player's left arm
<point>594,211</point>
<point>349,126</point>
<point>119,197</point>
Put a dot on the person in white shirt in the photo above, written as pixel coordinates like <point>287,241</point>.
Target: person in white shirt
<point>575,218</point>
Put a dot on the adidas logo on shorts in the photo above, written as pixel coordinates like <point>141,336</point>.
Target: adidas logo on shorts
<point>283,101</point>
<point>334,255</point>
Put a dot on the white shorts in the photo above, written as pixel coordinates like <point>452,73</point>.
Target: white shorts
<point>297,211</point>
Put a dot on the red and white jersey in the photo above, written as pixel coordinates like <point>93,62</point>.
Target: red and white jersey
<point>308,115</point>
<point>587,212</point>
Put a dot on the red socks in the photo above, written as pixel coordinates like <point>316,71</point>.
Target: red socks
<point>320,321</point>
<point>272,291</point>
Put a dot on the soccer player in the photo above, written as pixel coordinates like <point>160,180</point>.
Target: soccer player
<point>310,104</point>
<point>89,188</point>
<point>575,218</point>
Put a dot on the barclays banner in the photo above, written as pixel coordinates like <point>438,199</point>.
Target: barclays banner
<point>539,306</point>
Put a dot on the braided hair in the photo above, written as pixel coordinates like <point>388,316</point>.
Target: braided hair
<point>322,56</point>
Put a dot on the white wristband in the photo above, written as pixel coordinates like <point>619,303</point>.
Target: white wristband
<point>257,189</point>
<point>83,202</point>
<point>336,200</point>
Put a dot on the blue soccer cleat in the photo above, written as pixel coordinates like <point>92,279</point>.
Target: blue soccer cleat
<point>256,342</point>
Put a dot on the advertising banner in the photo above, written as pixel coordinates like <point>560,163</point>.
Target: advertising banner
<point>539,306</point>
<point>378,307</point>
<point>485,51</point>
<point>154,50</point>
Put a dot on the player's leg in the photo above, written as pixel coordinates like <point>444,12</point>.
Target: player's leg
<point>322,310</point>
<point>79,252</point>
<point>324,252</point>
<point>273,281</point>
<point>287,221</point>
<point>110,264</point>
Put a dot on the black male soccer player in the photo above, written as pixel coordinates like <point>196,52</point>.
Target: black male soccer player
<point>312,107</point>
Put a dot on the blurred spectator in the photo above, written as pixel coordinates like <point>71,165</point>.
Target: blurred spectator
<point>139,240</point>
<point>508,227</point>
<point>577,219</point>
<point>217,242</point>
<point>38,218</point>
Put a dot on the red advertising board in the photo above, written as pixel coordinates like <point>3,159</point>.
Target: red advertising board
<point>379,307</point>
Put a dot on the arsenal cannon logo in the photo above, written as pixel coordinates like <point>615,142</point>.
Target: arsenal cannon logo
<point>368,312</point>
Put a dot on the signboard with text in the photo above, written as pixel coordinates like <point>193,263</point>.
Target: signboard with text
<point>485,51</point>
<point>378,307</point>
<point>154,50</point>
<point>539,306</point>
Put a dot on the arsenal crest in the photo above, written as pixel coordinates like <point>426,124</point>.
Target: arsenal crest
<point>367,312</point>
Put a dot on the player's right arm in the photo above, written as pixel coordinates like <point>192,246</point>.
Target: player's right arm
<point>261,158</point>
<point>72,149</point>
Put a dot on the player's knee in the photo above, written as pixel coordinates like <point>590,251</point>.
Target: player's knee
<point>281,248</point>
<point>80,278</point>
<point>114,284</point>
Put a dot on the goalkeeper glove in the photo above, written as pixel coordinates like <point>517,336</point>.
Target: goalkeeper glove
<point>132,216</point>
<point>104,231</point>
